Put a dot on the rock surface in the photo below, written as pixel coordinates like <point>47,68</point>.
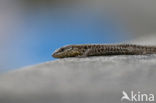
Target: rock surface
<point>81,80</point>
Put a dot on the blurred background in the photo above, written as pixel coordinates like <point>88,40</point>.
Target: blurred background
<point>30,30</point>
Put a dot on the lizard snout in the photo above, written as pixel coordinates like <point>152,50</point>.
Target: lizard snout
<point>55,55</point>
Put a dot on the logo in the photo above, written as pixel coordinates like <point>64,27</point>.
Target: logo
<point>137,97</point>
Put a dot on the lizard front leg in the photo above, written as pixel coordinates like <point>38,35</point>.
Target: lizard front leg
<point>87,53</point>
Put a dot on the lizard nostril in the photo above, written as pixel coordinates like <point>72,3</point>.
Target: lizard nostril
<point>54,55</point>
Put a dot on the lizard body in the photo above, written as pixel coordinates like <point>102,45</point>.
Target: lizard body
<point>86,50</point>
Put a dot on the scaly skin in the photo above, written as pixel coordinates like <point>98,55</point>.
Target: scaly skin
<point>86,50</point>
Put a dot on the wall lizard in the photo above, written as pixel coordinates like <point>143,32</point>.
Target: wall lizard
<point>86,50</point>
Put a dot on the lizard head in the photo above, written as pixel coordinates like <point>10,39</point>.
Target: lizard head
<point>66,51</point>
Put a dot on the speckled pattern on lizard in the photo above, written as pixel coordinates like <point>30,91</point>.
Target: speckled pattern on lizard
<point>87,50</point>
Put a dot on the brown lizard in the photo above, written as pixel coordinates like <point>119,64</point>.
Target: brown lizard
<point>86,50</point>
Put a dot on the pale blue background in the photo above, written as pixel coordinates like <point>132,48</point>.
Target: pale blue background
<point>33,34</point>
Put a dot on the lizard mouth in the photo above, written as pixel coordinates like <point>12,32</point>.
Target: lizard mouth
<point>58,55</point>
<point>55,55</point>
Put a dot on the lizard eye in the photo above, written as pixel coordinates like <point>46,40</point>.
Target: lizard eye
<point>61,50</point>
